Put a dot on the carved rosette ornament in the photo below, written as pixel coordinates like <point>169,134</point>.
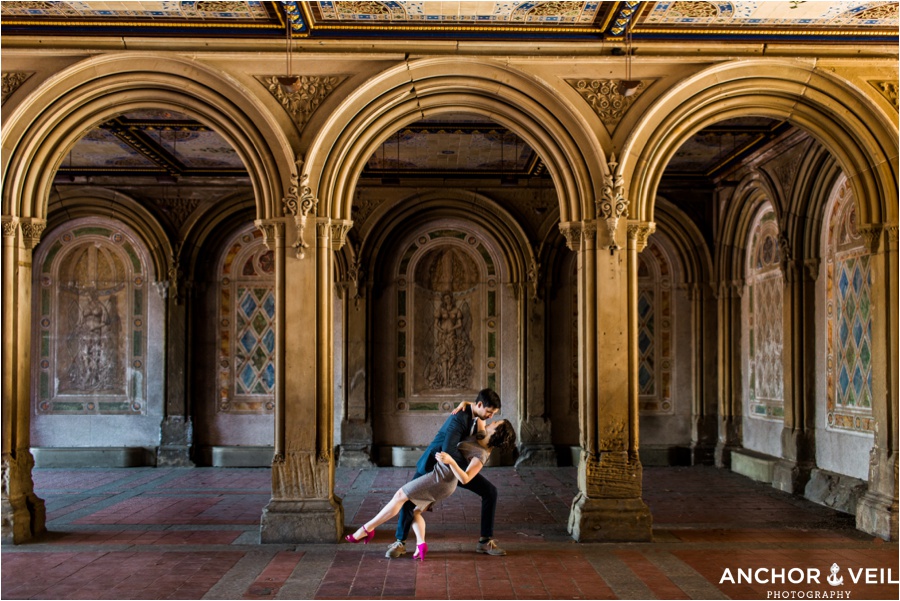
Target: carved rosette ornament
<point>303,102</point>
<point>298,203</point>
<point>11,82</point>
<point>612,205</point>
<point>32,228</point>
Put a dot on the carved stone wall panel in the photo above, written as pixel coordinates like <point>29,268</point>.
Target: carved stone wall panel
<point>447,316</point>
<point>604,98</point>
<point>765,283</point>
<point>303,102</point>
<point>90,311</point>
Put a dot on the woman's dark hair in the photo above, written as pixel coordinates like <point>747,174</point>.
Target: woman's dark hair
<point>504,437</point>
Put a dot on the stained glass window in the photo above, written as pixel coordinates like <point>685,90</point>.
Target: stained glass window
<point>654,331</point>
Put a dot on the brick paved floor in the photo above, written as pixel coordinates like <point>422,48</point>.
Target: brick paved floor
<point>168,533</point>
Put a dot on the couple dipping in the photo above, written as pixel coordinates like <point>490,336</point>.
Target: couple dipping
<point>464,439</point>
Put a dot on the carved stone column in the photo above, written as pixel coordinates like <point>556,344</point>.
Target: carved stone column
<point>536,448</point>
<point>303,508</point>
<point>176,431</point>
<point>22,512</point>
<point>798,440</point>
<point>703,412</point>
<point>356,425</point>
<point>608,506</point>
<point>877,511</point>
<point>729,371</point>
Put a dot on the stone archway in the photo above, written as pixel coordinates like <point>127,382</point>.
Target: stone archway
<point>863,141</point>
<point>41,131</point>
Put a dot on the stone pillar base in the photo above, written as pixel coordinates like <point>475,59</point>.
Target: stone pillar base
<point>703,454</point>
<point>302,521</point>
<point>24,518</point>
<point>537,455</point>
<point>174,456</point>
<point>175,438</point>
<point>610,520</point>
<point>723,455</point>
<point>790,476</point>
<point>355,456</point>
<point>877,515</point>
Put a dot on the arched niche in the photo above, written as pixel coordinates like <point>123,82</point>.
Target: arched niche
<point>97,335</point>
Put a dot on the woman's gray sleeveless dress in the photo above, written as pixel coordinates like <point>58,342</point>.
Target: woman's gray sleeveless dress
<point>440,482</point>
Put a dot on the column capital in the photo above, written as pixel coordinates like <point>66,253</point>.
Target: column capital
<point>339,229</point>
<point>32,229</point>
<point>578,232</point>
<point>10,226</point>
<point>639,232</point>
<point>272,230</point>
<point>873,237</point>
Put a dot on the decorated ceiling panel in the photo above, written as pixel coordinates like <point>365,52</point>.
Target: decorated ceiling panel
<point>843,21</point>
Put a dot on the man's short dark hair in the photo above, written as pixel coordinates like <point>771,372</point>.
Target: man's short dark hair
<point>488,398</point>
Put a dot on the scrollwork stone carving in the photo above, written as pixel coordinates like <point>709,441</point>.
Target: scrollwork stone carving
<point>302,103</point>
<point>298,203</point>
<point>888,89</point>
<point>604,98</point>
<point>10,226</point>
<point>11,82</point>
<point>612,205</point>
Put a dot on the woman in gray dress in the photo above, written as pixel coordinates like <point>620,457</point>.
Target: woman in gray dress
<point>441,482</point>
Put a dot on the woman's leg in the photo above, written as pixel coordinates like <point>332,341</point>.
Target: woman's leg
<point>418,527</point>
<point>386,513</point>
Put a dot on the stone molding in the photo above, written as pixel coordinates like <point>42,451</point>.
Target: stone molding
<point>302,103</point>
<point>11,82</point>
<point>612,204</point>
<point>873,237</point>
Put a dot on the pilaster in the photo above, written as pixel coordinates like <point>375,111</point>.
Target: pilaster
<point>798,442</point>
<point>22,512</point>
<point>176,430</point>
<point>877,512</point>
<point>729,371</point>
<point>703,417</point>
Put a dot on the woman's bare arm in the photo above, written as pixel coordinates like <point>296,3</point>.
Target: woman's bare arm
<point>463,476</point>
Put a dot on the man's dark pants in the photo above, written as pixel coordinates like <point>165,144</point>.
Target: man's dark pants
<point>478,485</point>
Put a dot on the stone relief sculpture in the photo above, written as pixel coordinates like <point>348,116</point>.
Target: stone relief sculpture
<point>451,360</point>
<point>92,343</point>
<point>448,278</point>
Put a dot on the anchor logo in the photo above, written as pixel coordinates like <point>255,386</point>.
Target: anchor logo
<point>834,580</point>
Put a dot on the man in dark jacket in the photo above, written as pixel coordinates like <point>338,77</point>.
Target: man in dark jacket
<point>458,426</point>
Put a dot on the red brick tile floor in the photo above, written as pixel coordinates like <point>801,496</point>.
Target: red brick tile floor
<point>178,533</point>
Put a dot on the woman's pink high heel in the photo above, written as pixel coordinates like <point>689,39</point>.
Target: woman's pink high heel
<point>365,540</point>
<point>421,550</point>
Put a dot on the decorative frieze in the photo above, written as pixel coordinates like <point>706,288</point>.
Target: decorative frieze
<point>11,82</point>
<point>604,98</point>
<point>888,89</point>
<point>303,102</point>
